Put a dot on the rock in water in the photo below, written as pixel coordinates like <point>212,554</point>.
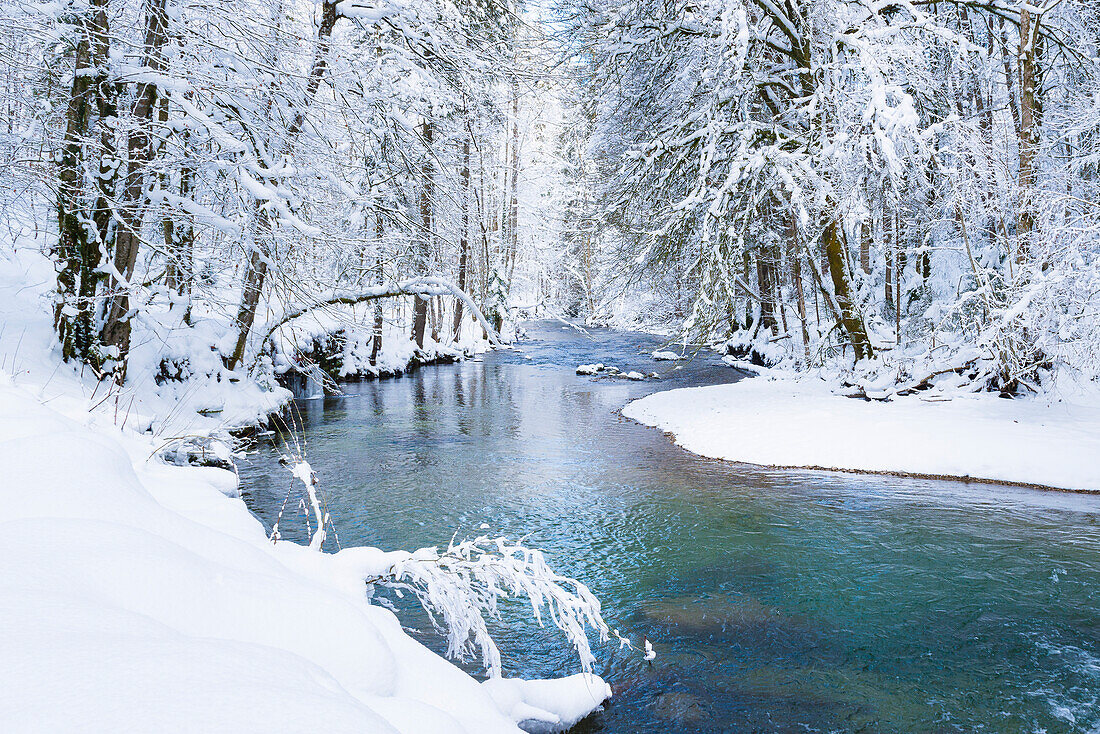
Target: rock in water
<point>679,708</point>
<point>709,616</point>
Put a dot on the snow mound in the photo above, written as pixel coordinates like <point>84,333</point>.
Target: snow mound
<point>611,371</point>
<point>666,356</point>
<point>539,706</point>
<point>787,423</point>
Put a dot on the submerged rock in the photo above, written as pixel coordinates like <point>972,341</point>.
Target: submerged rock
<point>679,708</point>
<point>600,368</point>
<point>710,615</point>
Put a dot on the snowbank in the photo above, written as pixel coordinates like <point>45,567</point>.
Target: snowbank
<point>177,383</point>
<point>787,423</point>
<point>352,345</point>
<point>146,598</point>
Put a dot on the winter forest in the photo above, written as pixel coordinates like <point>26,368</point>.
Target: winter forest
<point>289,281</point>
<point>905,186</point>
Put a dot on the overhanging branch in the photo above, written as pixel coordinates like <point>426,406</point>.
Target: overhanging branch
<point>427,285</point>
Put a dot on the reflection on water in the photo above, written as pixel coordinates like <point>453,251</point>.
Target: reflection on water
<point>777,600</point>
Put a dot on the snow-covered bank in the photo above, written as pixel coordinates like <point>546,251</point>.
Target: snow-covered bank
<point>329,340</point>
<point>786,423</point>
<point>147,598</point>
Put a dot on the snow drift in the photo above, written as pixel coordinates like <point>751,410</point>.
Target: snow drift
<point>800,423</point>
<point>147,598</point>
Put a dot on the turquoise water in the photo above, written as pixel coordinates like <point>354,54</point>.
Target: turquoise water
<point>777,601</point>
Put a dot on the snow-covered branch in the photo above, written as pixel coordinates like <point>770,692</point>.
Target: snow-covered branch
<point>461,587</point>
<point>419,286</point>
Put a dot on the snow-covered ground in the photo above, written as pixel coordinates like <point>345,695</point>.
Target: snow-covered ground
<point>1051,441</point>
<point>141,596</point>
<point>208,398</point>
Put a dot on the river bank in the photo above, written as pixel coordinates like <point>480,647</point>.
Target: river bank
<point>1050,441</point>
<point>147,595</point>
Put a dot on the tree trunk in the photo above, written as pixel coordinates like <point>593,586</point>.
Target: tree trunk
<point>865,246</point>
<point>80,248</point>
<point>1029,133</point>
<point>380,275</point>
<point>435,317</point>
<point>899,268</point>
<point>179,239</point>
<point>106,99</point>
<point>116,329</point>
<point>257,261</point>
<point>888,246</point>
<point>1010,86</point>
<point>586,254</point>
<point>464,236</point>
<point>764,288</point>
<point>795,249</point>
<point>78,255</point>
<point>850,317</point>
<point>420,303</point>
<point>513,194</point>
<point>254,277</point>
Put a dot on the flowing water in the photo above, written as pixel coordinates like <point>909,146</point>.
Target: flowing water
<point>777,601</point>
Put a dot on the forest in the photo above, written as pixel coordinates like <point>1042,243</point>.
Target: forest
<point>892,191</point>
<point>288,286</point>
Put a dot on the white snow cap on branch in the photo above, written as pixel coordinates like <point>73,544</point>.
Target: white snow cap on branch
<point>304,472</point>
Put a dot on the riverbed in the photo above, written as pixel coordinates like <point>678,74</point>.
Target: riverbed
<point>776,600</point>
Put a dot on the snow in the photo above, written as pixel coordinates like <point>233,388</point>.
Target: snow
<point>548,705</point>
<point>206,398</point>
<point>666,356</point>
<point>398,352</point>
<point>609,371</point>
<point>1046,441</point>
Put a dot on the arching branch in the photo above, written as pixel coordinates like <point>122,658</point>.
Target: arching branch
<point>421,286</point>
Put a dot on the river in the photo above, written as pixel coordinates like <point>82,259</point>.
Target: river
<point>777,601</point>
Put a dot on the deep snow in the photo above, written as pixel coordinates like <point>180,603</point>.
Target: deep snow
<point>139,596</point>
<point>1051,440</point>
